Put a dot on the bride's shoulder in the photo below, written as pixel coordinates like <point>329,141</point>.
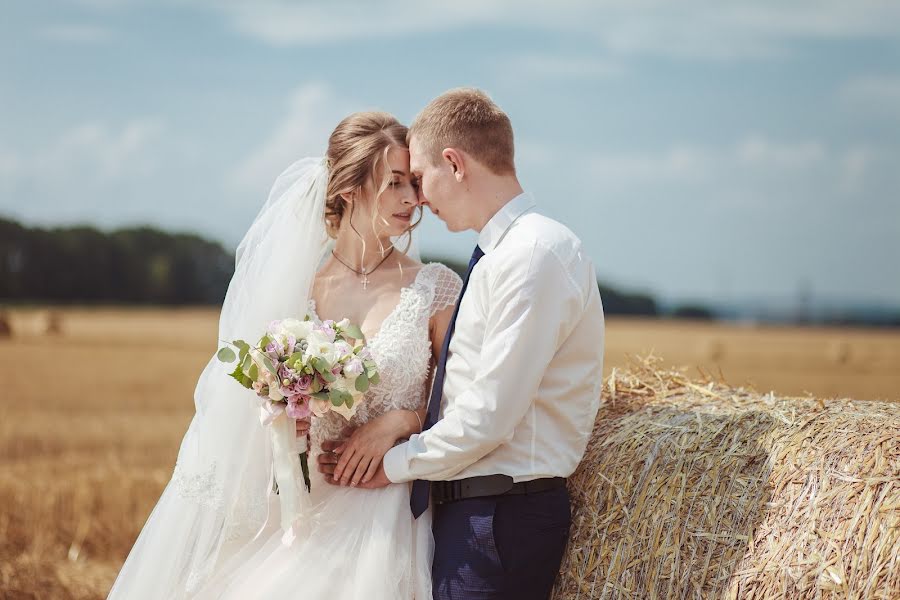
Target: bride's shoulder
<point>440,273</point>
<point>443,283</point>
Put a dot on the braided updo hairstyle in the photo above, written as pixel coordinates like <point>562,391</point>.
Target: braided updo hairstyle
<point>357,151</point>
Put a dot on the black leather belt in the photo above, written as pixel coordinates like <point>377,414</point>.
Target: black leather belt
<point>489,485</point>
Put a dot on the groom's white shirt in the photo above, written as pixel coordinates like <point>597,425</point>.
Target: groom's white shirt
<point>524,374</point>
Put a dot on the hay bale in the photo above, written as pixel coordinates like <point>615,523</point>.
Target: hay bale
<point>698,490</point>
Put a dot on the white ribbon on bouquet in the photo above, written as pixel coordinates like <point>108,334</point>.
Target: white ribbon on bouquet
<point>286,451</point>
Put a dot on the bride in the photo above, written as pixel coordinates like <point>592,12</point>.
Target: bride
<point>218,530</point>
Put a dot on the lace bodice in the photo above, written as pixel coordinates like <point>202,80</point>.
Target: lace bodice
<point>401,349</point>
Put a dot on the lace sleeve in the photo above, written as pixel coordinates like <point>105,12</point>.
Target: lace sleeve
<point>447,285</point>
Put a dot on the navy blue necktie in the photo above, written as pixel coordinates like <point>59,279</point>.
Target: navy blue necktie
<point>418,499</point>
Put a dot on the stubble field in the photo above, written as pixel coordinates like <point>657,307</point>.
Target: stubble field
<point>91,417</point>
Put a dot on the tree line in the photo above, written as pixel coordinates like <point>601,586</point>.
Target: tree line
<point>82,265</point>
<point>144,265</point>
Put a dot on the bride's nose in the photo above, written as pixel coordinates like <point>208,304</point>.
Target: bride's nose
<point>410,198</point>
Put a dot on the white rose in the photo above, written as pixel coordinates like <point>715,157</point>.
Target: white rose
<point>320,346</point>
<point>295,327</point>
<point>343,323</point>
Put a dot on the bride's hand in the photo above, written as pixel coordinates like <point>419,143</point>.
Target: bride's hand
<point>302,427</point>
<point>361,455</point>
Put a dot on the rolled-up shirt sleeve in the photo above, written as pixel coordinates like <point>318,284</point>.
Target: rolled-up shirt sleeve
<point>532,301</point>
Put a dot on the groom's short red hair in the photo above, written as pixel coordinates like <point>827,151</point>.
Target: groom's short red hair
<point>468,120</point>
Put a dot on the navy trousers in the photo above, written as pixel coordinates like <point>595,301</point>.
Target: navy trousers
<point>500,546</point>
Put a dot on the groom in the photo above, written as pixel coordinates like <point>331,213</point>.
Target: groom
<point>518,385</point>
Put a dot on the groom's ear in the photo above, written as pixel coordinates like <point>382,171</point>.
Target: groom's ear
<point>455,160</point>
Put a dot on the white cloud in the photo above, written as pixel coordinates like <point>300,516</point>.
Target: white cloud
<point>682,163</point>
<point>75,33</point>
<point>95,169</point>
<point>881,93</point>
<point>102,153</point>
<point>696,29</point>
<point>312,113</point>
<point>534,66</point>
<point>757,150</point>
<point>855,163</point>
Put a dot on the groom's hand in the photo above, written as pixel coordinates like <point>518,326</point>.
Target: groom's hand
<point>379,480</point>
<point>328,460</point>
<point>330,455</point>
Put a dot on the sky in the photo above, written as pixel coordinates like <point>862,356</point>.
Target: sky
<point>712,151</point>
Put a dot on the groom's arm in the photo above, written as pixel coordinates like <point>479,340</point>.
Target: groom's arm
<point>532,299</point>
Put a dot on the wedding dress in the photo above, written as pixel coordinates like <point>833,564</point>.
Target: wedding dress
<point>217,527</point>
<point>354,543</point>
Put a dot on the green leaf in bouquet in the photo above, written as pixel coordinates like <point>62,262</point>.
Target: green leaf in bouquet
<point>362,383</point>
<point>354,331</point>
<point>226,355</point>
<point>375,378</point>
<point>329,377</point>
<point>321,395</point>
<point>295,357</point>
<point>239,376</point>
<point>265,341</point>
<point>316,386</point>
<point>243,346</point>
<point>253,372</point>
<point>350,402</point>
<point>267,363</point>
<point>339,397</point>
<point>246,361</point>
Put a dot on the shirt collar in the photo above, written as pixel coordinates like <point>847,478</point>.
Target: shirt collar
<point>496,228</point>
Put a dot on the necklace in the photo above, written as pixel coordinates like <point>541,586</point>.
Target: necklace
<point>365,272</point>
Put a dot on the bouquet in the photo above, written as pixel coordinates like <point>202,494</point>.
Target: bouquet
<point>300,368</point>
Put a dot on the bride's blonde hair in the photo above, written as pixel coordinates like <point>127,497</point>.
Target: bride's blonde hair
<point>357,151</point>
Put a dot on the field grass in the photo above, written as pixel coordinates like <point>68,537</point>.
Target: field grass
<point>91,418</point>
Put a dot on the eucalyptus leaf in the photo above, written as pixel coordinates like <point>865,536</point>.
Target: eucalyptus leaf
<point>354,331</point>
<point>362,383</point>
<point>267,363</point>
<point>339,397</point>
<point>243,346</point>
<point>253,373</point>
<point>226,355</point>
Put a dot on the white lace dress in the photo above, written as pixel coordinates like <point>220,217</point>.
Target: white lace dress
<point>355,543</point>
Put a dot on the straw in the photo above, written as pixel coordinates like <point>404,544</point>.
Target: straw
<point>694,489</point>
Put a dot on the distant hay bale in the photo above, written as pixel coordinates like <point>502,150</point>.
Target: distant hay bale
<point>53,323</point>
<point>699,490</point>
